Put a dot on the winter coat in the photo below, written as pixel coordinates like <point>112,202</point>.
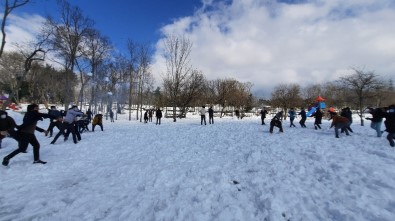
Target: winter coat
<point>377,115</point>
<point>279,115</point>
<point>390,121</point>
<point>30,120</point>
<point>6,124</point>
<point>210,112</point>
<point>98,119</point>
<point>347,114</point>
<point>292,114</point>
<point>158,113</point>
<point>302,114</point>
<point>318,117</point>
<point>263,113</point>
<point>202,111</point>
<point>55,113</point>
<point>71,115</point>
<point>339,121</point>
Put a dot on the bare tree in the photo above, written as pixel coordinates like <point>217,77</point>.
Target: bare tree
<point>97,49</point>
<point>143,76</point>
<point>9,6</point>
<point>286,96</point>
<point>67,39</point>
<point>132,70</point>
<point>36,55</point>
<point>191,91</point>
<point>361,84</point>
<point>177,52</point>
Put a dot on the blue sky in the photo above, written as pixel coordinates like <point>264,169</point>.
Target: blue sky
<point>266,42</point>
<point>139,20</point>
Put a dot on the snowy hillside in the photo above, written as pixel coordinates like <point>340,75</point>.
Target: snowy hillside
<point>232,170</point>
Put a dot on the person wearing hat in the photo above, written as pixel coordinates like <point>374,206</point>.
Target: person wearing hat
<point>7,125</point>
<point>26,134</point>
<point>390,124</point>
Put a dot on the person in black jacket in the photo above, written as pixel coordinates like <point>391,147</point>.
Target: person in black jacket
<point>26,134</point>
<point>302,114</point>
<point>275,122</point>
<point>158,115</point>
<point>56,122</point>
<point>7,125</point>
<point>377,120</point>
<point>263,115</point>
<point>346,112</point>
<point>211,115</point>
<point>390,124</point>
<point>318,118</point>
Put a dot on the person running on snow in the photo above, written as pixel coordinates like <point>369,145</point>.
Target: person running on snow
<point>56,122</point>
<point>346,112</point>
<point>339,122</point>
<point>68,124</point>
<point>377,120</point>
<point>26,134</point>
<point>292,115</point>
<point>318,118</point>
<point>303,116</point>
<point>7,125</point>
<point>390,124</point>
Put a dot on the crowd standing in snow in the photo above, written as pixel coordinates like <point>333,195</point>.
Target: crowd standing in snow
<point>74,122</point>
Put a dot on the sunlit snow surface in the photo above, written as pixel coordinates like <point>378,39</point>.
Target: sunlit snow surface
<point>232,170</point>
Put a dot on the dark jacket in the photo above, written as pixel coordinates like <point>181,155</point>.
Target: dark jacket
<point>302,114</point>
<point>158,113</point>
<point>318,116</point>
<point>30,120</point>
<point>210,112</point>
<point>263,113</point>
<point>347,114</point>
<point>390,121</point>
<point>377,115</point>
<point>7,124</point>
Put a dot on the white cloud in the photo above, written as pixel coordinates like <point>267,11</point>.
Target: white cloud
<point>268,43</point>
<point>22,29</point>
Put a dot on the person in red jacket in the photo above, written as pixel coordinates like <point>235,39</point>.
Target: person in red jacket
<point>339,122</point>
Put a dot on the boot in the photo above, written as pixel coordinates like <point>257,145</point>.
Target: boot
<point>6,161</point>
<point>39,161</point>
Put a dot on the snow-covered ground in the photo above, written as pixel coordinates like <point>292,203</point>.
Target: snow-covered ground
<point>232,170</point>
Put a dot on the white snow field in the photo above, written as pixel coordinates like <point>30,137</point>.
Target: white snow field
<point>231,170</point>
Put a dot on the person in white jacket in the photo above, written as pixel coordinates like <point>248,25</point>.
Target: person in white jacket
<point>203,115</point>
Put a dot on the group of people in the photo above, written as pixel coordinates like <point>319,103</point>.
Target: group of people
<point>203,115</point>
<point>340,121</point>
<point>68,122</point>
<point>148,114</point>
